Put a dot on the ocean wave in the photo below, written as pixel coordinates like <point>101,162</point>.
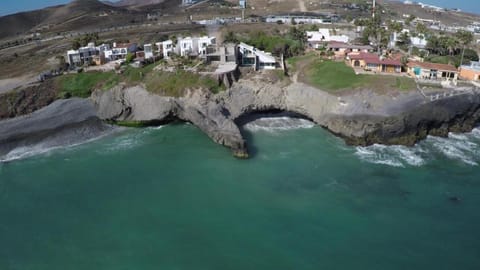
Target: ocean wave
<point>45,148</point>
<point>464,148</point>
<point>395,156</point>
<point>63,140</point>
<point>273,124</point>
<point>456,147</point>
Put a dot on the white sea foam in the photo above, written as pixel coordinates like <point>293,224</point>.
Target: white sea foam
<point>464,148</point>
<point>272,124</point>
<point>378,154</point>
<point>397,155</point>
<point>476,133</point>
<point>457,149</point>
<point>64,141</point>
<point>24,152</point>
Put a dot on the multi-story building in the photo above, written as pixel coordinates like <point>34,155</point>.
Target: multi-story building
<point>251,56</point>
<point>120,51</point>
<point>87,55</point>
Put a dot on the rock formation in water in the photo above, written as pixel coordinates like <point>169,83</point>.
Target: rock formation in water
<point>362,118</point>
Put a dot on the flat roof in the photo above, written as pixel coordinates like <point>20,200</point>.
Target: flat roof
<point>436,66</point>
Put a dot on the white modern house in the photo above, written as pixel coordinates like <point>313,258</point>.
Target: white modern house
<point>196,46</point>
<point>203,43</point>
<point>120,51</point>
<point>323,35</point>
<point>299,19</point>
<point>86,54</point>
<point>251,56</point>
<point>166,48</point>
<point>418,41</point>
<point>148,50</point>
<point>188,46</point>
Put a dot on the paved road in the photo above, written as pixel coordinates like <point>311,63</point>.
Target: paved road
<point>301,5</point>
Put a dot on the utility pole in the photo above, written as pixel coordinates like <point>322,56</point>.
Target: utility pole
<point>463,54</point>
<point>373,9</point>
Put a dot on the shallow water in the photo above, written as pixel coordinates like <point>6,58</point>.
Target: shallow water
<point>169,198</point>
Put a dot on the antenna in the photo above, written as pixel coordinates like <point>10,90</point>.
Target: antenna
<point>373,9</point>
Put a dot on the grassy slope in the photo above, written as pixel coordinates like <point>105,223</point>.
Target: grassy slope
<point>164,83</point>
<point>336,77</point>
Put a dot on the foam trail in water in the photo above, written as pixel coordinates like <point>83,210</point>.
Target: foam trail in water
<point>40,149</point>
<point>461,147</point>
<point>272,124</point>
<point>456,147</point>
<point>396,156</point>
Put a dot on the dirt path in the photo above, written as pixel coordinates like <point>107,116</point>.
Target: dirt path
<point>6,85</point>
<point>302,6</point>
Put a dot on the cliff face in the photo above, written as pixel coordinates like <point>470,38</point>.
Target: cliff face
<point>137,105</point>
<point>363,118</point>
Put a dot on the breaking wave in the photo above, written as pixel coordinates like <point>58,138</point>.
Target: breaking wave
<point>43,148</point>
<point>462,148</point>
<point>272,124</point>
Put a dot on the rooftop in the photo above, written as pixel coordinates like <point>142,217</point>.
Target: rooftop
<point>434,66</point>
<point>474,65</point>
<point>338,44</point>
<point>371,58</point>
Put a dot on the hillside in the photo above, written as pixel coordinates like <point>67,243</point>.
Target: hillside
<point>136,3</point>
<point>75,16</point>
<point>80,8</point>
<point>22,22</point>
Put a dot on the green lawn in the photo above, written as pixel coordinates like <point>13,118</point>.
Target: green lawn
<point>175,83</point>
<point>82,84</point>
<point>337,76</point>
<point>160,82</point>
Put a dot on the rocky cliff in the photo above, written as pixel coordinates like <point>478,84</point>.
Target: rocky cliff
<point>362,118</point>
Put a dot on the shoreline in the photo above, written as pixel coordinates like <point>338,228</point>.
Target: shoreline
<point>363,118</point>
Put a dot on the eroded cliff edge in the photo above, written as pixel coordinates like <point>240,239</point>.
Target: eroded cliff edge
<point>361,118</point>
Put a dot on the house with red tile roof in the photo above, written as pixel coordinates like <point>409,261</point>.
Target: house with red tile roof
<point>374,63</point>
<point>432,71</point>
<point>341,49</point>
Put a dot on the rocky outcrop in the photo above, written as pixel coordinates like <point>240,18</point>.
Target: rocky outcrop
<point>63,122</point>
<point>454,114</point>
<point>137,105</point>
<point>362,118</point>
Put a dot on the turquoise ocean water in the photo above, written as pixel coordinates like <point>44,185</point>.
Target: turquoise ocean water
<point>169,198</point>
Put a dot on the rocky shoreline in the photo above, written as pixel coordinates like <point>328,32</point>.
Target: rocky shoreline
<point>362,118</point>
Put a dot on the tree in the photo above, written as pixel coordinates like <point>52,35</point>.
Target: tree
<point>404,41</point>
<point>231,37</point>
<point>396,27</point>
<point>62,64</point>
<point>129,58</point>
<point>374,33</point>
<point>174,39</point>
<point>298,35</point>
<point>410,19</point>
<point>313,27</point>
<point>76,44</point>
<point>470,55</point>
<point>465,37</point>
<point>421,29</point>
